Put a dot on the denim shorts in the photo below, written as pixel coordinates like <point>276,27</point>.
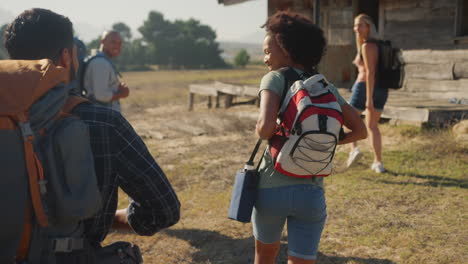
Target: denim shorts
<point>358,97</point>
<point>305,209</point>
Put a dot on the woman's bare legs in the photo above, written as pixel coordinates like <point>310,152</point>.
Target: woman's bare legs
<point>266,253</point>
<point>372,124</point>
<point>294,260</point>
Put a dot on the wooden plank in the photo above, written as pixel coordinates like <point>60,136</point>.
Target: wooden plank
<point>238,90</point>
<point>250,91</point>
<point>407,14</point>
<point>190,101</point>
<point>430,56</point>
<point>420,33</point>
<point>418,14</point>
<point>341,17</point>
<point>402,4</point>
<point>442,71</point>
<point>438,89</point>
<point>406,113</point>
<point>228,88</point>
<point>185,127</point>
<point>203,89</point>
<point>340,36</point>
<point>460,70</point>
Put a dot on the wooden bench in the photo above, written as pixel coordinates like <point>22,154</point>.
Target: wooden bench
<point>219,89</point>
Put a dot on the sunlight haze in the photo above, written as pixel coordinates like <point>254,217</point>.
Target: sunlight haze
<point>239,22</point>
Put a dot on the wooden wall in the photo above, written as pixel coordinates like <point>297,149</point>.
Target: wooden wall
<point>337,22</point>
<point>336,19</point>
<point>436,59</point>
<point>437,63</point>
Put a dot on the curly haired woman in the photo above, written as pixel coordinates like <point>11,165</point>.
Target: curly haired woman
<point>292,40</point>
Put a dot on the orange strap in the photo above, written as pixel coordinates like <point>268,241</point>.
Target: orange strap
<point>6,123</point>
<point>22,251</point>
<point>35,171</point>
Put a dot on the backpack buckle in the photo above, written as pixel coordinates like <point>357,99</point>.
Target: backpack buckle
<point>67,244</point>
<point>26,130</point>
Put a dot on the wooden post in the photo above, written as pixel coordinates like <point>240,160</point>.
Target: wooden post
<point>190,101</point>
<point>209,102</point>
<point>217,101</point>
<point>228,100</point>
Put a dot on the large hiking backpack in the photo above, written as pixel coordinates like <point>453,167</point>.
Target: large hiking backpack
<point>49,184</point>
<point>310,120</point>
<point>390,72</point>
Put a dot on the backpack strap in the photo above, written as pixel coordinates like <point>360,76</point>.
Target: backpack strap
<point>85,65</point>
<point>37,184</point>
<point>72,102</point>
<point>23,248</point>
<point>290,76</point>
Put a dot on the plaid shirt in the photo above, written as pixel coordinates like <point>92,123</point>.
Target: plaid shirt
<point>122,160</point>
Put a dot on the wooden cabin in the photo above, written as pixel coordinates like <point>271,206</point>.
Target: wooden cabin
<point>433,37</point>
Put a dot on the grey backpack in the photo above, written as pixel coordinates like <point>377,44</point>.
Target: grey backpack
<point>49,184</point>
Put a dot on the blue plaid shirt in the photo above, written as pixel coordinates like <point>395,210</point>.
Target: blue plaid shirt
<point>122,160</point>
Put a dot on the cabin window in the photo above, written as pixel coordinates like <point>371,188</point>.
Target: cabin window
<point>462,19</point>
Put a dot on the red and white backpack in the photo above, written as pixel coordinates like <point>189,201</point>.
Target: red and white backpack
<point>309,124</point>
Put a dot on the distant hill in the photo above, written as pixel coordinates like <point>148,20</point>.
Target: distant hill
<point>230,49</point>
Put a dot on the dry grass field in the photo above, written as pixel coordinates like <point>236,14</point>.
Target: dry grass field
<point>415,213</point>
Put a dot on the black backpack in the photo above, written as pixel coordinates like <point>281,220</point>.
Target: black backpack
<point>390,73</point>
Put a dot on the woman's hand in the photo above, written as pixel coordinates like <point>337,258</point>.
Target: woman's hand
<point>356,130</point>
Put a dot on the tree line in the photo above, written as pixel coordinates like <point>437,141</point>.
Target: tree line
<point>179,44</point>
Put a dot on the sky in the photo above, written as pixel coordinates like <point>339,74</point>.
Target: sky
<point>240,22</point>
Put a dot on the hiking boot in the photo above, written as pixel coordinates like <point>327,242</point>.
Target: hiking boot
<point>378,167</point>
<point>354,156</point>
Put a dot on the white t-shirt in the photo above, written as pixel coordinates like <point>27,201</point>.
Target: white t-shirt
<point>102,82</point>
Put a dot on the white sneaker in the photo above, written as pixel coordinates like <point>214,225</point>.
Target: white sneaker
<point>354,156</point>
<point>378,167</point>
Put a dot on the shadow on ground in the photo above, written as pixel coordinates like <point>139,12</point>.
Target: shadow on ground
<point>214,247</point>
<point>324,259</point>
<point>431,180</point>
<point>217,248</point>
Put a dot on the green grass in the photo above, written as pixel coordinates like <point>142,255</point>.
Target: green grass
<point>415,213</point>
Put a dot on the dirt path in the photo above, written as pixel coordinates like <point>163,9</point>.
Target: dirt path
<point>405,216</point>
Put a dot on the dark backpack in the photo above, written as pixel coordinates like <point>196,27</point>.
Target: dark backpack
<point>390,73</point>
<point>49,184</point>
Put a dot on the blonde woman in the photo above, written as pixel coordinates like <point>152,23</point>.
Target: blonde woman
<point>366,93</point>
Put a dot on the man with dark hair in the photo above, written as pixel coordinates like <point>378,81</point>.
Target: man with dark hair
<point>121,158</point>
